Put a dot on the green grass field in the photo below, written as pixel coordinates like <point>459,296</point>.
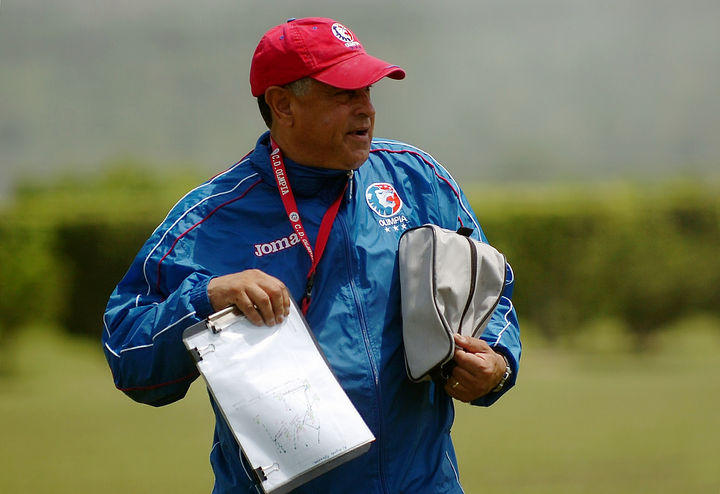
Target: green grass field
<point>578,422</point>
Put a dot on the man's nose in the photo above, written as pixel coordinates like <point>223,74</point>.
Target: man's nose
<point>364,104</point>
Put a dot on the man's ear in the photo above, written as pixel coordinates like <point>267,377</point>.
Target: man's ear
<point>279,99</point>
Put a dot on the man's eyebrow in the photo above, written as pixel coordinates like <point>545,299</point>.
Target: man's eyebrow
<point>338,91</point>
<point>351,91</point>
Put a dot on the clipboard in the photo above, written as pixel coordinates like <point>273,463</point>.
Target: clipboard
<point>276,391</point>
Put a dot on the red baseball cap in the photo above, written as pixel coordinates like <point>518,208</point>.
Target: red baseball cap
<point>319,48</point>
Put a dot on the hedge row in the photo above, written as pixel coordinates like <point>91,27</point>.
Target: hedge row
<point>644,257</point>
<point>31,279</point>
<point>65,244</point>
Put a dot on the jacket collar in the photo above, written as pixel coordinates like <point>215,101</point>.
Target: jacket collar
<point>304,180</point>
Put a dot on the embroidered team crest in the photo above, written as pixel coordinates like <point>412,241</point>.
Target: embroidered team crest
<point>341,32</point>
<point>345,35</point>
<point>383,199</point>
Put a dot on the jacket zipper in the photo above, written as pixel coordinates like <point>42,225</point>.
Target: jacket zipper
<point>366,340</point>
<point>473,271</point>
<point>350,174</point>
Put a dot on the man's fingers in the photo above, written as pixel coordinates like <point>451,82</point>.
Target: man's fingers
<point>279,297</point>
<point>460,374</point>
<point>475,364</point>
<point>286,301</point>
<point>263,303</point>
<point>457,389</point>
<point>472,382</point>
<point>271,291</point>
<point>247,307</point>
<point>472,345</point>
<point>486,368</point>
<point>278,307</point>
<point>263,299</point>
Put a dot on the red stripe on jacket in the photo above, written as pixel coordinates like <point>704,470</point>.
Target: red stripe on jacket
<point>157,284</point>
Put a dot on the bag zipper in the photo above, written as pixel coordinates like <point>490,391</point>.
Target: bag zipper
<point>473,275</point>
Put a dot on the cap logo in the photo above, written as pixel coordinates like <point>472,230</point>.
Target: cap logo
<point>383,199</point>
<point>344,34</point>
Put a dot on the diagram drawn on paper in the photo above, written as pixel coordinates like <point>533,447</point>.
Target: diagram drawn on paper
<point>294,426</point>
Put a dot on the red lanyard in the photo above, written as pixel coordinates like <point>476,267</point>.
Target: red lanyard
<point>288,199</point>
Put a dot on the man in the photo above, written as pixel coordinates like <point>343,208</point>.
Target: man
<point>315,212</point>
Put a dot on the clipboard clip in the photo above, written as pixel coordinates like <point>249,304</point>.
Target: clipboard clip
<point>199,353</point>
<point>261,473</point>
<point>222,319</point>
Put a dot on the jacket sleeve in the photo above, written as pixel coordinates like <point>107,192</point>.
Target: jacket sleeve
<point>503,331</point>
<point>145,318</point>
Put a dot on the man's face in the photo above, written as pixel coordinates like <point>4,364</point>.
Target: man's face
<point>333,126</point>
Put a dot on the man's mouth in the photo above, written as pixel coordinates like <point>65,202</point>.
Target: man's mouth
<point>362,132</point>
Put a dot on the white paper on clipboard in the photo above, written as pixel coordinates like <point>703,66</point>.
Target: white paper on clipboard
<point>285,407</point>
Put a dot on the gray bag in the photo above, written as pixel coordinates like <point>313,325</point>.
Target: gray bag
<point>449,283</point>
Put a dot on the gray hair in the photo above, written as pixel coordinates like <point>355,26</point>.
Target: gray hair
<point>298,88</point>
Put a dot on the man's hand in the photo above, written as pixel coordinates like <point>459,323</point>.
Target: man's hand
<point>478,371</point>
<point>263,299</point>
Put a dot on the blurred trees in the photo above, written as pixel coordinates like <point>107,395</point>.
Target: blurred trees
<point>643,256</point>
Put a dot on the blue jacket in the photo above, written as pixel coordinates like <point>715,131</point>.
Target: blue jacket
<point>236,221</point>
